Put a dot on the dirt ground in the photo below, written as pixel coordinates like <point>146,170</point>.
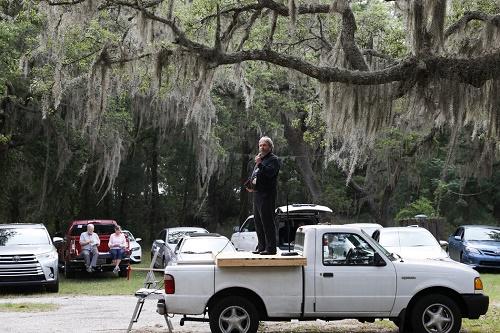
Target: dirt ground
<point>82,314</point>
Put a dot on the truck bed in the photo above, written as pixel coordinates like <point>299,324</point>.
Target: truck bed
<point>247,259</point>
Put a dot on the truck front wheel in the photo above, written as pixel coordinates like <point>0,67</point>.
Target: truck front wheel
<point>233,314</point>
<point>436,314</point>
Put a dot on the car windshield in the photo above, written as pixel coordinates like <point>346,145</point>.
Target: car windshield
<point>129,235</point>
<point>206,245</point>
<point>100,229</point>
<point>482,234</point>
<point>23,236</point>
<point>407,238</point>
<point>173,237</point>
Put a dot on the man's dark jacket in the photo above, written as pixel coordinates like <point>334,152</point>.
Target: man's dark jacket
<point>267,177</point>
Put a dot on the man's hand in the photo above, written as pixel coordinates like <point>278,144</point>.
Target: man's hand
<point>258,159</point>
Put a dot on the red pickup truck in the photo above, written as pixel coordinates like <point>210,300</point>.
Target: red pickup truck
<point>69,249</point>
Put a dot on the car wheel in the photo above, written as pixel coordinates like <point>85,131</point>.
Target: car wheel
<point>233,314</point>
<point>436,314</point>
<point>68,272</point>
<point>53,288</point>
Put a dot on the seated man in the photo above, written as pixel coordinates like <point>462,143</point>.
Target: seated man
<point>89,241</point>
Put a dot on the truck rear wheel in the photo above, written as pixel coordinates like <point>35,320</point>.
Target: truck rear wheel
<point>233,314</point>
<point>436,314</point>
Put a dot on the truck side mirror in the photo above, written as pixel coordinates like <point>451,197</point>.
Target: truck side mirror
<point>378,260</point>
<point>444,244</point>
<point>138,239</point>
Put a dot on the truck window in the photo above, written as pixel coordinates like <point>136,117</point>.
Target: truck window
<point>299,242</point>
<point>346,249</point>
<point>100,229</point>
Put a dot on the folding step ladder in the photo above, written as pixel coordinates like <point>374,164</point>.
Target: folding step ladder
<point>149,291</point>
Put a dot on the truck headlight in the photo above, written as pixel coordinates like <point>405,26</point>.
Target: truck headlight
<point>472,250</point>
<point>52,255</point>
<point>134,249</point>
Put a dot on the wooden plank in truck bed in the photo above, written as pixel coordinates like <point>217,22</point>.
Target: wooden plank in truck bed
<point>246,259</point>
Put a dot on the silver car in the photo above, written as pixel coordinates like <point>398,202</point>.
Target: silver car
<point>28,257</point>
<point>166,242</point>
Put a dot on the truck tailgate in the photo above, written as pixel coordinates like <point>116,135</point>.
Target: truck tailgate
<point>279,287</point>
<point>194,285</point>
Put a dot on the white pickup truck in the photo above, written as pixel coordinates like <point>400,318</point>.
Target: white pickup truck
<point>344,274</point>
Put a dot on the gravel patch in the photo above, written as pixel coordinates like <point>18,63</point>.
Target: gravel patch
<point>83,314</point>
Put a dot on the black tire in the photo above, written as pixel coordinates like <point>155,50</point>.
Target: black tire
<point>53,288</point>
<point>436,314</point>
<point>68,272</point>
<point>233,314</point>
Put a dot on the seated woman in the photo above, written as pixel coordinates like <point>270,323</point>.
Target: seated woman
<point>117,244</point>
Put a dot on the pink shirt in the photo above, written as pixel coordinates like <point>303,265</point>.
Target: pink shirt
<point>117,241</point>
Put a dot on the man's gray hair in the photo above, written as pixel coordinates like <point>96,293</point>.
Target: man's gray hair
<point>269,141</point>
<point>90,225</point>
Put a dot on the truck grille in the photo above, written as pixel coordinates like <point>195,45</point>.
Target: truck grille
<point>22,267</point>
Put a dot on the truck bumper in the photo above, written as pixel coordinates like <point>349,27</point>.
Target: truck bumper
<point>476,305</point>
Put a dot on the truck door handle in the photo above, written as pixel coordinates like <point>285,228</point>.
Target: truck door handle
<point>327,275</point>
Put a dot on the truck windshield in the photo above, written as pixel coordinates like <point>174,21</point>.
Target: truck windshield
<point>380,248</point>
<point>22,236</point>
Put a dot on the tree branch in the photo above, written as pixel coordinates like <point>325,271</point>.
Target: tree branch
<point>470,16</point>
<point>249,26</point>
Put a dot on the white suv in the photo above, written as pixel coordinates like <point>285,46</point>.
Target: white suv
<point>27,257</point>
<point>287,220</point>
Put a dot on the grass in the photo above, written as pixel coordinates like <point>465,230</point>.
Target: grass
<point>490,322</point>
<point>101,284</point>
<point>27,307</point>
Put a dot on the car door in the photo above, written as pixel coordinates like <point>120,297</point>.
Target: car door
<point>455,245</point>
<point>346,276</point>
<point>158,247</point>
<point>246,240</point>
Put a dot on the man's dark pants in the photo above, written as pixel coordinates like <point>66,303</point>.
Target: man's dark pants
<point>263,210</point>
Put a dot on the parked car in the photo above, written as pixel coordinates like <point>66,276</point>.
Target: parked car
<point>28,257</point>
<point>369,228</point>
<point>201,248</point>
<point>70,252</point>
<point>476,245</point>
<point>287,219</point>
<point>134,247</point>
<point>167,240</point>
<point>410,243</point>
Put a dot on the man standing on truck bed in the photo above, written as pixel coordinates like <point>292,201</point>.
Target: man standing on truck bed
<point>263,182</point>
<point>89,241</point>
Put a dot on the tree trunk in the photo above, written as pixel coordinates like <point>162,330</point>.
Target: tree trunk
<point>245,204</point>
<point>155,195</point>
<point>303,158</point>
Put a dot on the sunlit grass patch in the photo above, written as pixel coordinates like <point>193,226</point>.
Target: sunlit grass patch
<point>28,307</point>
